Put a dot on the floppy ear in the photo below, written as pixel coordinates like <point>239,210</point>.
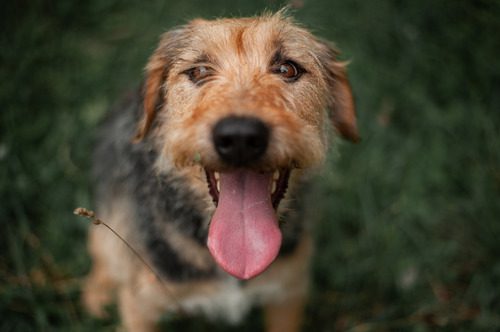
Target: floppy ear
<point>157,71</point>
<point>341,102</point>
<point>152,94</point>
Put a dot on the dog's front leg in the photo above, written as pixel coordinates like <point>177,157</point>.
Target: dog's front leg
<point>285,316</point>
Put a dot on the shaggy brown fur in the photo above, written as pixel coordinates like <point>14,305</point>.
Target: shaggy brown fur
<point>265,74</point>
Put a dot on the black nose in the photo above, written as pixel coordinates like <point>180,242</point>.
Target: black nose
<point>240,140</point>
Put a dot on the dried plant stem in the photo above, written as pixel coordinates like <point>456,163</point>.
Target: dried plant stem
<point>89,214</point>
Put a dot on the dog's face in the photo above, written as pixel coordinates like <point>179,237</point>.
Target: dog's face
<point>246,99</point>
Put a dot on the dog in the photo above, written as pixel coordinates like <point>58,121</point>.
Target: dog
<point>202,171</point>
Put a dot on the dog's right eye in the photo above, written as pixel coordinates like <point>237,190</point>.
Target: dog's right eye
<point>198,74</point>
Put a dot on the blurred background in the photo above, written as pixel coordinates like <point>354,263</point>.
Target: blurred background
<point>408,237</point>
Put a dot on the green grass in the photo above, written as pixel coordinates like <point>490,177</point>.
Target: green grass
<point>408,238</point>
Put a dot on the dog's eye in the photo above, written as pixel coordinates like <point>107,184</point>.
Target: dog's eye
<point>289,70</point>
<point>198,74</point>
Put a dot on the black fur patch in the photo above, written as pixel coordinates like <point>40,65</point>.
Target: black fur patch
<point>163,199</point>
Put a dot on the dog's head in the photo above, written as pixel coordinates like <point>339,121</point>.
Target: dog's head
<point>250,101</point>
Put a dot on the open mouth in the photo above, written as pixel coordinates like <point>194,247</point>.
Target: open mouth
<point>279,185</point>
<point>244,236</point>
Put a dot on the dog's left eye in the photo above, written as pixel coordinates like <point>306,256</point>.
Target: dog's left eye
<point>198,74</point>
<point>289,70</point>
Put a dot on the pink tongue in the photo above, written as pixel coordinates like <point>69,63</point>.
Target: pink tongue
<point>244,237</point>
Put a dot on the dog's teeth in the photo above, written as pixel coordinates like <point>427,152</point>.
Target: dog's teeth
<point>273,187</point>
<point>276,175</point>
<point>217,180</point>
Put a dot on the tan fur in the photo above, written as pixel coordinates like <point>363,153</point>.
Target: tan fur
<point>180,115</point>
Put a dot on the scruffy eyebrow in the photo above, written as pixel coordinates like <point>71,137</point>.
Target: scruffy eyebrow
<point>278,56</point>
<point>202,58</point>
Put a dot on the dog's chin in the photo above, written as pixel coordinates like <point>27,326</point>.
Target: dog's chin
<point>244,235</point>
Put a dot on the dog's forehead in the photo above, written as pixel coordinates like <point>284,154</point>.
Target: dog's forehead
<point>257,38</point>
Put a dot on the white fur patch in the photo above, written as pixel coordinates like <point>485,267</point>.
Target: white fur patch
<point>230,301</point>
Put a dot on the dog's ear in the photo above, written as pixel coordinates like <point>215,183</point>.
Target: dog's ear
<point>341,102</point>
<point>157,71</point>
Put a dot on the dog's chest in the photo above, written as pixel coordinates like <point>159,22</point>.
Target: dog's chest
<point>230,300</point>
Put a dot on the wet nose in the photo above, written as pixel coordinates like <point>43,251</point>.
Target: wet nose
<point>240,140</point>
